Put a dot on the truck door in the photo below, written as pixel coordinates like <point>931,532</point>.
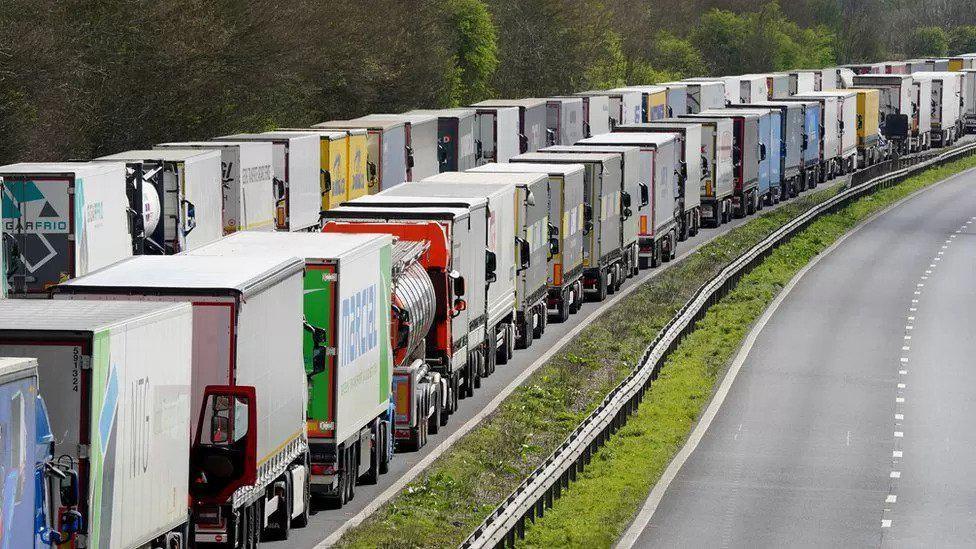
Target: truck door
<point>38,224</point>
<point>318,348</point>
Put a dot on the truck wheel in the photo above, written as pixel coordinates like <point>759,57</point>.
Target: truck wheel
<point>451,403</point>
<point>353,471</point>
<point>562,307</point>
<point>373,474</point>
<point>501,353</point>
<point>601,286</point>
<point>474,373</point>
<point>524,340</point>
<point>434,422</point>
<point>613,276</point>
<point>301,521</point>
<point>543,322</point>
<point>251,526</point>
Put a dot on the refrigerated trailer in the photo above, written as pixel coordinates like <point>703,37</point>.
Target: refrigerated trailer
<point>64,219</point>
<point>596,113</point>
<point>333,163</point>
<point>770,146</point>
<point>677,98</point>
<point>846,151</point>
<point>533,114</point>
<point>691,174</point>
<point>177,196</point>
<point>869,150</point>
<point>498,132</point>
<point>803,81</point>
<point>897,110</point>
<point>386,153</point>
<point>969,100</point>
<point>246,175</point>
<point>777,86</point>
<point>346,348</point>
<point>297,179</point>
<point>606,262</point>
<point>746,158</point>
<point>626,106</point>
<point>752,88</point>
<point>247,477</point>
<point>564,120</point>
<point>654,100</point>
<point>457,137</point>
<point>791,154</point>
<point>115,377</point>
<point>704,95</point>
<point>421,138</point>
<point>565,205</point>
<point>830,137</point>
<point>947,105</point>
<point>661,222</point>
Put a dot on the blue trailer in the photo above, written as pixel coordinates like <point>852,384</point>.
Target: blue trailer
<point>791,133</point>
<point>771,144</point>
<point>26,467</point>
<point>812,146</point>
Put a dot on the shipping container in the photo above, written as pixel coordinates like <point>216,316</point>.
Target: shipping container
<point>868,131</point>
<point>246,177</point>
<point>422,139</point>
<point>346,348</point>
<point>661,223</point>
<point>533,114</point>
<point>455,355</point>
<point>64,219</point>
<point>596,113</point>
<point>498,130</point>
<point>297,176</point>
<point>457,135</point>
<point>770,146</point>
<point>178,196</point>
<point>386,153</point>
<point>564,120</point>
<point>704,95</point>
<point>791,153</point>
<point>247,349</point>
<point>626,107</point>
<point>746,158</point>
<point>897,110</point>
<point>565,204</point>
<point>32,479</point>
<point>115,378</point>
<point>606,263</point>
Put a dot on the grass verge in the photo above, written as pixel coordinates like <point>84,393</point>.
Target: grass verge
<point>457,491</point>
<point>607,495</point>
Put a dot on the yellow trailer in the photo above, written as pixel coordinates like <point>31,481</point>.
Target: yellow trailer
<point>357,175</point>
<point>868,131</point>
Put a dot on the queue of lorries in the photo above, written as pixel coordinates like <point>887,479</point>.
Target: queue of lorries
<point>226,332</point>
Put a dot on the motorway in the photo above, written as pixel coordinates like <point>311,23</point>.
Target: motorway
<point>506,378</point>
<point>850,421</point>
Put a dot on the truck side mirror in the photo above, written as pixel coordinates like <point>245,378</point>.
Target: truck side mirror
<point>459,306</point>
<point>68,490</point>
<point>524,254</point>
<point>762,151</point>
<point>553,246</point>
<point>491,264</point>
<point>371,173</point>
<point>625,199</point>
<point>645,195</point>
<point>458,283</point>
<point>190,214</point>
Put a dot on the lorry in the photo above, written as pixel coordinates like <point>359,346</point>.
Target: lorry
<point>803,81</point>
<point>752,88</point>
<point>519,200</point>
<point>606,262</point>
<point>30,474</point>
<point>662,222</point>
<point>770,148</point>
<point>457,137</point>
<point>777,85</point>
<point>654,100</point>
<point>896,67</point>
<point>791,154</point>
<point>692,165</point>
<point>498,131</point>
<point>297,184</point>
<point>746,158</point>
<point>565,204</point>
<point>947,105</point>
<point>704,95</point>
<point>969,96</point>
<point>731,90</point>
<point>813,136</point>
<point>869,147</point>
<point>846,155</point>
<point>348,357</point>
<point>460,348</point>
<point>346,173</point>
<point>177,196</point>
<point>533,114</point>
<point>677,98</point>
<point>246,177</point>
<point>564,120</point>
<point>248,478</point>
<point>830,137</point>
<point>898,110</point>
<point>626,106</point>
<point>386,153</point>
<point>115,377</point>
<point>423,147</point>
<point>596,113</point>
<point>62,220</point>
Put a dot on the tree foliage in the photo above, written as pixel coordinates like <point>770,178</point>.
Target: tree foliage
<point>927,42</point>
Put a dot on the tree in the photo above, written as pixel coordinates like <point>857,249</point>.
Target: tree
<point>927,42</point>
<point>476,48</point>
<point>962,40</point>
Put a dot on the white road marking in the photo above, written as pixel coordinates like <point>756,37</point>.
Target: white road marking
<point>903,372</point>
<point>932,265</point>
<point>928,272</point>
<point>909,327</point>
<point>901,385</point>
<point>911,318</point>
<point>885,523</point>
<point>896,453</point>
<point>895,474</point>
<point>900,400</point>
<point>908,337</point>
<point>904,359</point>
<point>848,438</point>
<point>891,498</point>
<point>899,434</point>
<point>899,416</point>
<point>913,309</point>
<point>925,278</point>
<point>906,348</point>
<point>918,293</point>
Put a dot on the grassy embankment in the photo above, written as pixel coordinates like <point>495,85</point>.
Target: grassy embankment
<point>451,498</point>
<point>607,495</point>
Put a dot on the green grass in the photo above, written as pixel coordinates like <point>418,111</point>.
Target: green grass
<point>607,495</point>
<point>444,504</point>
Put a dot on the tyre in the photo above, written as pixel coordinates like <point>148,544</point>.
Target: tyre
<point>501,353</point>
<point>385,455</point>
<point>601,286</point>
<point>562,307</point>
<point>543,320</point>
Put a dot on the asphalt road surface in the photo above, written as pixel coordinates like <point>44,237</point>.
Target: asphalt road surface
<point>324,522</point>
<point>852,421</point>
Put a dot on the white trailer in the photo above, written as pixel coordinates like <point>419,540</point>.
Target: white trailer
<point>565,120</point>
<point>846,125</point>
<point>66,219</point>
<point>626,106</point>
<point>179,194</point>
<point>296,167</point>
<point>247,360</point>
<point>896,109</point>
<point>753,88</point>
<point>803,82</point>
<point>831,150</point>
<point>347,354</point>
<point>423,146</point>
<point>246,177</point>
<point>115,378</point>
<point>596,113</point>
<point>704,95</point>
<point>947,90</point>
<point>969,99</point>
<point>498,129</point>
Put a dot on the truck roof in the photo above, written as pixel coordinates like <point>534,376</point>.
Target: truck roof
<point>528,102</point>
<point>568,158</point>
<point>394,211</point>
<point>641,89</point>
<point>267,136</point>
<point>213,144</point>
<point>79,169</point>
<point>493,178</point>
<point>826,93</point>
<point>420,197</point>
<point>523,167</point>
<point>189,272</point>
<point>166,155</point>
<point>78,315</point>
<point>565,98</point>
<point>629,138</point>
<point>412,117</point>
<point>330,134</point>
<point>382,125</point>
<point>469,192</point>
<point>723,113</point>
<point>445,113</point>
<point>12,368</point>
<point>302,245</point>
<point>675,124</point>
